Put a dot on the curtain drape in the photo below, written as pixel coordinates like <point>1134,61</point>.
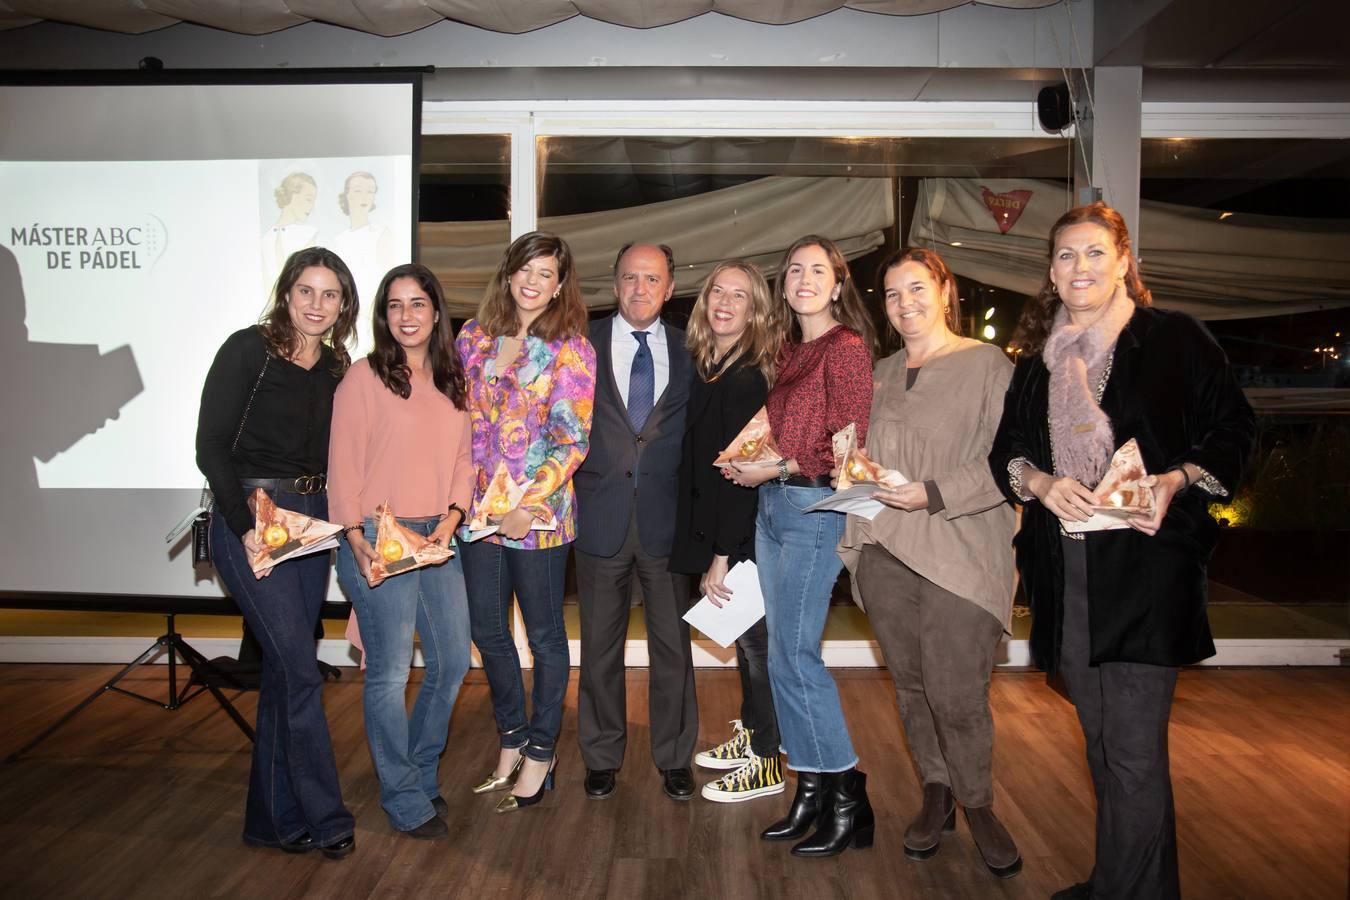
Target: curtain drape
<point>755,221</point>
<point>393,17</point>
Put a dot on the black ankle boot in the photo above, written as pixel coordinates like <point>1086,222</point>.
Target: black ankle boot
<point>806,804</point>
<point>845,818</point>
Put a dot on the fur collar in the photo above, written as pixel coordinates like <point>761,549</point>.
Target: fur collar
<point>1077,356</point>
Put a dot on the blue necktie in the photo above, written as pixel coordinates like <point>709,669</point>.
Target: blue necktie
<point>641,383</point>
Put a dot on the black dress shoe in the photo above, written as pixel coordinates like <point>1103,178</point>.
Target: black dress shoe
<point>340,849</point>
<point>678,783</point>
<point>303,844</point>
<point>1080,891</point>
<point>600,784</point>
<point>440,806</point>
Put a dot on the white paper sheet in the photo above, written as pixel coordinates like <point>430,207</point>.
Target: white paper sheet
<point>856,500</point>
<point>492,529</point>
<point>746,607</point>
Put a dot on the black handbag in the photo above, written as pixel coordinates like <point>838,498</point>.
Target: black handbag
<point>200,518</point>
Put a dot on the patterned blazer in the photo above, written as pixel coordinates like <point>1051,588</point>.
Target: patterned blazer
<point>536,417</point>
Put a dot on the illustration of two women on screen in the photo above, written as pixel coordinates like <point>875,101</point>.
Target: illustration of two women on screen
<point>366,247</point>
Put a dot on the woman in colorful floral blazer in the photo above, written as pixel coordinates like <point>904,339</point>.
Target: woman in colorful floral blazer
<point>531,375</point>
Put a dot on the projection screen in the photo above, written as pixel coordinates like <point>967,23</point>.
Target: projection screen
<point>140,225</point>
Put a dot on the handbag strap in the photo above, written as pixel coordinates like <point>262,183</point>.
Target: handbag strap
<point>207,500</point>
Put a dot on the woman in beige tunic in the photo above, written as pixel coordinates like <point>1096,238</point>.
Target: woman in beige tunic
<point>934,568</point>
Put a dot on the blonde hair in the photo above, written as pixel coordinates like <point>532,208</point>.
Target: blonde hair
<point>763,336</point>
<point>290,186</point>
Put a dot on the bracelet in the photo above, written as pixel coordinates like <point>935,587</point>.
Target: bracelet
<point>456,508</point>
<point>1185,478</point>
<point>350,528</point>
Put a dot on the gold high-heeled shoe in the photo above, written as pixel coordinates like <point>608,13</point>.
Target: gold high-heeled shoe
<point>500,782</point>
<point>511,803</point>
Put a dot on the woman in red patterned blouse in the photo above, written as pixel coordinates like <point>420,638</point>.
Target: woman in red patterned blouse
<point>824,383</point>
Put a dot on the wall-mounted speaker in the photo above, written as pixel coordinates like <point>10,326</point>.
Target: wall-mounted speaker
<point>1054,108</point>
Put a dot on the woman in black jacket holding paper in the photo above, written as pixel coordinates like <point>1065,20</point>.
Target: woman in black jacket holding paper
<point>266,409</point>
<point>1117,611</point>
<point>734,340</point>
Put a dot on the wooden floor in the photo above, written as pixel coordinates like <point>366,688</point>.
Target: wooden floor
<point>133,801</point>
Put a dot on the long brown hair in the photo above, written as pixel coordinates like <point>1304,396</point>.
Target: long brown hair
<point>847,309</point>
<point>763,335</point>
<point>275,325</point>
<point>390,360</point>
<point>1038,316</point>
<point>937,267</point>
<point>565,315</point>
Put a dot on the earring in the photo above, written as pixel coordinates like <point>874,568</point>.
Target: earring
<point>1054,288</point>
<point>556,293</point>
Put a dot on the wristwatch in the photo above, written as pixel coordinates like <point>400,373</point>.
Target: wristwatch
<point>783,471</point>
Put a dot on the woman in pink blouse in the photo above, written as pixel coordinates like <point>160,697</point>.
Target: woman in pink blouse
<point>401,436</point>
<point>531,375</point>
<point>824,383</point>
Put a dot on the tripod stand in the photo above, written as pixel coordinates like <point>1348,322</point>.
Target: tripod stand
<point>203,672</point>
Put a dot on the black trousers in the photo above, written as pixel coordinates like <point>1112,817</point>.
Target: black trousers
<point>1123,709</point>
<point>603,584</point>
<point>752,659</point>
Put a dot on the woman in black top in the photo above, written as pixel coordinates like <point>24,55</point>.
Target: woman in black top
<point>1118,611</point>
<point>734,344</point>
<point>265,413</point>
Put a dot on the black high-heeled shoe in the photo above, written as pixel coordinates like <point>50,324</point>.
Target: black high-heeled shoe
<point>511,802</point>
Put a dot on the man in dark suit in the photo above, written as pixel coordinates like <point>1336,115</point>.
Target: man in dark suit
<point>626,492</point>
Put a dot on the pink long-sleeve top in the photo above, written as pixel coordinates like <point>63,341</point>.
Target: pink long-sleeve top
<point>415,453</point>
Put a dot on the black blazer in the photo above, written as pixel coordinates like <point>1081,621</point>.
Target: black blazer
<point>1170,388</point>
<point>604,482</point>
<point>713,515</point>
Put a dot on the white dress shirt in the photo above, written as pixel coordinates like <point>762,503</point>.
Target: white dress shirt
<point>623,347</point>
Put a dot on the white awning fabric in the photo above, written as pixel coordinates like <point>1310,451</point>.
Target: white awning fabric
<point>756,221</point>
<point>394,17</point>
<point>1238,266</point>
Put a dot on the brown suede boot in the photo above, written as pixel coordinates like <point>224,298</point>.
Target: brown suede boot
<point>996,845</point>
<point>937,815</point>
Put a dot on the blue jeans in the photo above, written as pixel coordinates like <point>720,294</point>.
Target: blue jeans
<point>407,752</point>
<point>293,785</point>
<point>798,565</point>
<point>492,573</point>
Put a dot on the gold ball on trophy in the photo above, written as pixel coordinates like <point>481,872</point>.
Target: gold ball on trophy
<point>391,550</point>
<point>275,535</point>
<point>749,447</point>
